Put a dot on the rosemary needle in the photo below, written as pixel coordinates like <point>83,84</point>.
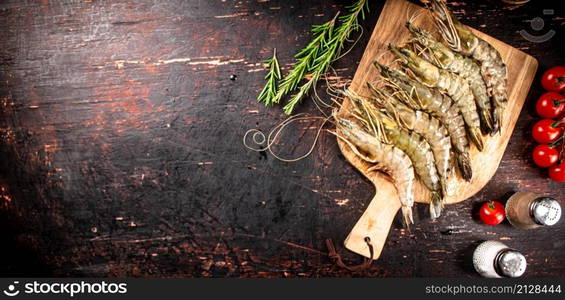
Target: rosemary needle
<point>314,60</point>
<point>321,65</point>
<point>306,57</point>
<point>270,90</point>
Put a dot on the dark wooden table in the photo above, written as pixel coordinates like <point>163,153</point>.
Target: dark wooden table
<point>121,147</point>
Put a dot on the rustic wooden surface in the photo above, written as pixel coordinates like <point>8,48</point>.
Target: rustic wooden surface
<point>121,154</point>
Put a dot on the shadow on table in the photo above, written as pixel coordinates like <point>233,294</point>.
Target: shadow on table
<point>18,259</point>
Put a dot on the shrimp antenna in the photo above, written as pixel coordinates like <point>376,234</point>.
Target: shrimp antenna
<point>350,144</point>
<point>259,139</point>
<point>404,97</point>
<point>414,15</point>
<point>425,52</point>
<point>381,55</point>
<point>373,122</point>
<point>376,115</point>
<point>445,23</point>
<point>389,83</point>
<point>371,115</point>
<point>416,97</point>
<point>391,109</point>
<point>382,99</point>
<point>362,109</point>
<point>376,94</point>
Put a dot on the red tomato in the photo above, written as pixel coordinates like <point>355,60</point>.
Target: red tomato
<point>544,131</point>
<point>550,105</point>
<point>557,172</point>
<point>545,155</point>
<point>553,80</point>
<point>492,213</point>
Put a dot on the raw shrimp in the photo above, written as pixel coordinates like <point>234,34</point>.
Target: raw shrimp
<point>443,57</point>
<point>455,86</point>
<point>461,39</point>
<point>414,145</point>
<point>436,104</point>
<point>424,124</point>
<point>386,157</point>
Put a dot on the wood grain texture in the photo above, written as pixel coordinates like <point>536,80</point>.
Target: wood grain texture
<point>390,29</point>
<point>121,154</point>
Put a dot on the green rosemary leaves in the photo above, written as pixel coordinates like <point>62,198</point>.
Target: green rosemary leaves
<point>313,61</point>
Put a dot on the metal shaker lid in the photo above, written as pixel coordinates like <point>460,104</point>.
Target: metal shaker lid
<point>485,257</point>
<point>546,211</point>
<point>511,263</point>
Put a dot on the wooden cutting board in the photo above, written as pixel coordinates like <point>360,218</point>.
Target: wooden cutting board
<point>376,220</point>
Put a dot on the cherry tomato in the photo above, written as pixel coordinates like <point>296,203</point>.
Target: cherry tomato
<point>550,105</point>
<point>545,131</point>
<point>492,213</point>
<point>553,80</point>
<point>557,172</point>
<point>545,155</point>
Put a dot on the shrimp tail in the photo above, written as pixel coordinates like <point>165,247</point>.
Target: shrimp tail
<point>487,120</point>
<point>496,119</point>
<point>447,188</point>
<point>407,216</point>
<point>436,205</point>
<point>476,138</point>
<point>464,164</point>
<point>444,187</point>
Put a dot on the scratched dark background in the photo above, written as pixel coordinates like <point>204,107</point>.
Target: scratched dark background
<point>121,147</point>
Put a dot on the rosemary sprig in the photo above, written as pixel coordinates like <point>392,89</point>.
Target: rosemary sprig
<point>334,46</point>
<point>270,90</point>
<point>305,59</point>
<point>314,60</point>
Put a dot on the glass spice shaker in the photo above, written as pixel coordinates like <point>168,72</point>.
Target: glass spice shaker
<point>527,210</point>
<point>493,259</point>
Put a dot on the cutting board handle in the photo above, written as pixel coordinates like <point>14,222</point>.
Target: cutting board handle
<point>375,222</point>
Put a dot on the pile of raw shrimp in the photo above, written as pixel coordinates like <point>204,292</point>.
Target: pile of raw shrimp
<point>421,119</point>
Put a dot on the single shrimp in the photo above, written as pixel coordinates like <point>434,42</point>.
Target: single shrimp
<point>437,104</point>
<point>424,124</point>
<point>455,86</point>
<point>461,39</point>
<point>386,157</point>
<point>413,144</point>
<point>443,57</point>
